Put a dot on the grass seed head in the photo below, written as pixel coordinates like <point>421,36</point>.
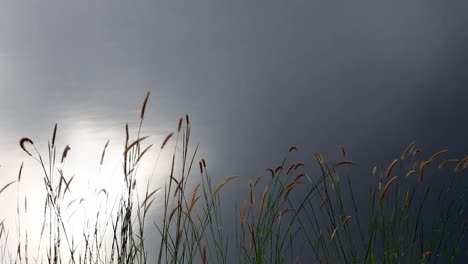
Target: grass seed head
<point>346,220</point>
<point>461,165</point>
<point>143,107</point>
<point>224,182</point>
<point>168,137</point>
<point>242,213</point>
<point>421,169</point>
<point>346,162</point>
<point>445,162</point>
<point>390,168</point>
<point>426,254</point>
<point>187,119</point>
<point>342,150</point>
<point>283,212</point>
<point>54,134</point>
<point>278,169</point>
<point>407,150</point>
<point>262,202</point>
<point>24,141</point>
<point>291,167</point>
<point>293,148</point>
<point>179,127</point>
<point>299,176</point>
<point>298,165</point>
<point>387,186</point>
<point>438,154</point>
<point>65,152</point>
<point>272,172</point>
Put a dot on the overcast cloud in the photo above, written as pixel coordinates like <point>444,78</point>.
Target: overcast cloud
<point>255,76</point>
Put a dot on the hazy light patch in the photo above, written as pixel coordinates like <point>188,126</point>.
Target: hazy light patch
<point>95,189</point>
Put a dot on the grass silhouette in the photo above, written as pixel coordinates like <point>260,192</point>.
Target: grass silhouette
<point>287,215</point>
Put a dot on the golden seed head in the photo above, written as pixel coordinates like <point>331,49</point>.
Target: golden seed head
<point>167,139</point>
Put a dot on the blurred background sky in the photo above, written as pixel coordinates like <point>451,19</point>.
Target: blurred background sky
<point>255,77</point>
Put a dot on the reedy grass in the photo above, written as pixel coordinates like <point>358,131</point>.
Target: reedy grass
<point>290,214</point>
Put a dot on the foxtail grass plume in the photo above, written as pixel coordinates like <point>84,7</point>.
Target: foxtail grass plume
<point>293,148</point>
<point>461,165</point>
<point>290,187</point>
<point>342,150</point>
<point>421,170</point>
<point>283,212</point>
<point>20,172</point>
<point>195,198</point>
<point>65,152</point>
<point>143,107</point>
<point>438,154</point>
<point>168,137</point>
<point>346,162</point>
<point>179,126</point>
<point>387,186</point>
<point>257,180</point>
<point>23,141</point>
<point>104,152</point>
<point>224,182</point>
<point>319,158</point>
<point>134,143</point>
<point>187,119</point>
<point>127,134</point>
<point>333,233</point>
<point>445,162</point>
<point>298,165</point>
<point>407,150</point>
<point>325,201</point>
<point>251,196</point>
<point>299,176</point>
<point>346,220</point>
<point>242,213</point>
<point>278,169</point>
<point>272,172</point>
<point>290,168</point>
<point>390,168</point>
<point>54,134</point>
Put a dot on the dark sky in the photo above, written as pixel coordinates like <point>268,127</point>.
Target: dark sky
<point>255,76</point>
<point>306,72</point>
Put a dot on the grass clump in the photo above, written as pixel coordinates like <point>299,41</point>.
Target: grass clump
<point>414,211</point>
